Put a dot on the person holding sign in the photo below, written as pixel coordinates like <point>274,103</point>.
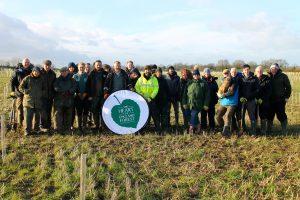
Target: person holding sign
<point>147,86</point>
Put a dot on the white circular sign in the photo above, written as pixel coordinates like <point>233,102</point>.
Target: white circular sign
<point>125,112</point>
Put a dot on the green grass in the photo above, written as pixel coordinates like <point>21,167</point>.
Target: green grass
<point>152,167</point>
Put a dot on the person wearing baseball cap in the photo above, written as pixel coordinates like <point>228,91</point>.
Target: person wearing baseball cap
<point>281,92</point>
<point>48,76</point>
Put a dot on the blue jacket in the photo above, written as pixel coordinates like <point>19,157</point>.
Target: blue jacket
<point>231,100</point>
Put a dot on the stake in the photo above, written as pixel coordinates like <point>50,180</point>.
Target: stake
<point>82,176</point>
<point>3,131</point>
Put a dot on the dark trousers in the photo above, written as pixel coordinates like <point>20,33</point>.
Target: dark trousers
<point>81,108</point>
<point>250,106</point>
<point>96,107</point>
<point>154,114</point>
<point>278,108</point>
<point>46,113</point>
<point>175,105</point>
<point>210,114</point>
<point>237,117</point>
<point>186,116</point>
<point>194,118</point>
<point>263,111</point>
<point>63,118</point>
<point>163,116</point>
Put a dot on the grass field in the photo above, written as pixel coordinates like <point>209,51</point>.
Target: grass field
<point>154,167</point>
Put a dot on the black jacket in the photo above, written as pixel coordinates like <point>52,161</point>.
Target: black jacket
<point>249,87</point>
<point>162,96</point>
<point>281,86</point>
<point>95,83</point>
<point>48,81</point>
<point>265,89</point>
<point>19,74</point>
<point>174,87</point>
<point>108,86</point>
<point>212,88</point>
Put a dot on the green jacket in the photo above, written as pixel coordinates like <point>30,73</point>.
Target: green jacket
<point>196,94</point>
<point>65,89</point>
<point>147,88</point>
<point>281,86</point>
<point>32,88</point>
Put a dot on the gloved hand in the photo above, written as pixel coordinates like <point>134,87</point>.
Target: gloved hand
<point>243,100</point>
<point>148,99</point>
<point>259,101</point>
<point>12,95</point>
<point>205,108</point>
<point>185,107</point>
<point>106,95</point>
<point>221,96</point>
<point>286,100</point>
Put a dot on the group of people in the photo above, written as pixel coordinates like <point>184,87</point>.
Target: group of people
<point>80,91</point>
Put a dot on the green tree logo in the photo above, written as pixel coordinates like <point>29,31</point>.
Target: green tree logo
<point>126,114</point>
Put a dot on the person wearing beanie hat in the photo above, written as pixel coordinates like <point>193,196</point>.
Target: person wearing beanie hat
<point>48,76</point>
<point>147,86</point>
<point>161,100</point>
<point>173,81</point>
<point>249,88</point>
<point>19,74</point>
<point>73,69</point>
<point>134,76</point>
<point>186,76</point>
<point>196,97</point>
<point>32,87</point>
<point>281,92</point>
<point>212,89</point>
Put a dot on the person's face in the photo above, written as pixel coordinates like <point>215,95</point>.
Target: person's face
<point>36,73</point>
<point>184,76</point>
<point>225,75</point>
<point>233,72</point>
<point>196,77</point>
<point>64,73</point>
<point>47,67</point>
<point>129,65</point>
<point>87,68</point>
<point>133,75</point>
<point>71,69</point>
<point>274,71</point>
<point>147,72</point>
<point>117,67</point>
<point>171,71</point>
<point>258,72</point>
<point>81,68</point>
<point>206,75</point>
<point>98,66</point>
<point>158,74</point>
<point>246,71</point>
<point>26,63</point>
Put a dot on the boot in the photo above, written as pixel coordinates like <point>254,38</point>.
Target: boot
<point>269,127</point>
<point>263,127</point>
<point>226,131</point>
<point>253,128</point>
<point>284,126</point>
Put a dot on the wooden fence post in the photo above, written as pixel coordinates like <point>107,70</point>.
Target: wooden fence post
<point>82,176</point>
<point>3,132</point>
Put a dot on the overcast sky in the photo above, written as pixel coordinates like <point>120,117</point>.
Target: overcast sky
<point>153,31</point>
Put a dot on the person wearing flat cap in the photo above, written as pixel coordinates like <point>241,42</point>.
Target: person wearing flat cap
<point>48,76</point>
<point>196,98</point>
<point>32,87</point>
<point>281,92</point>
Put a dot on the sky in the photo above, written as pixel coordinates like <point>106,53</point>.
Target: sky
<point>150,31</point>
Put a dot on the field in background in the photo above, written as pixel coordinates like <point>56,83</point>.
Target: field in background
<point>153,167</point>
